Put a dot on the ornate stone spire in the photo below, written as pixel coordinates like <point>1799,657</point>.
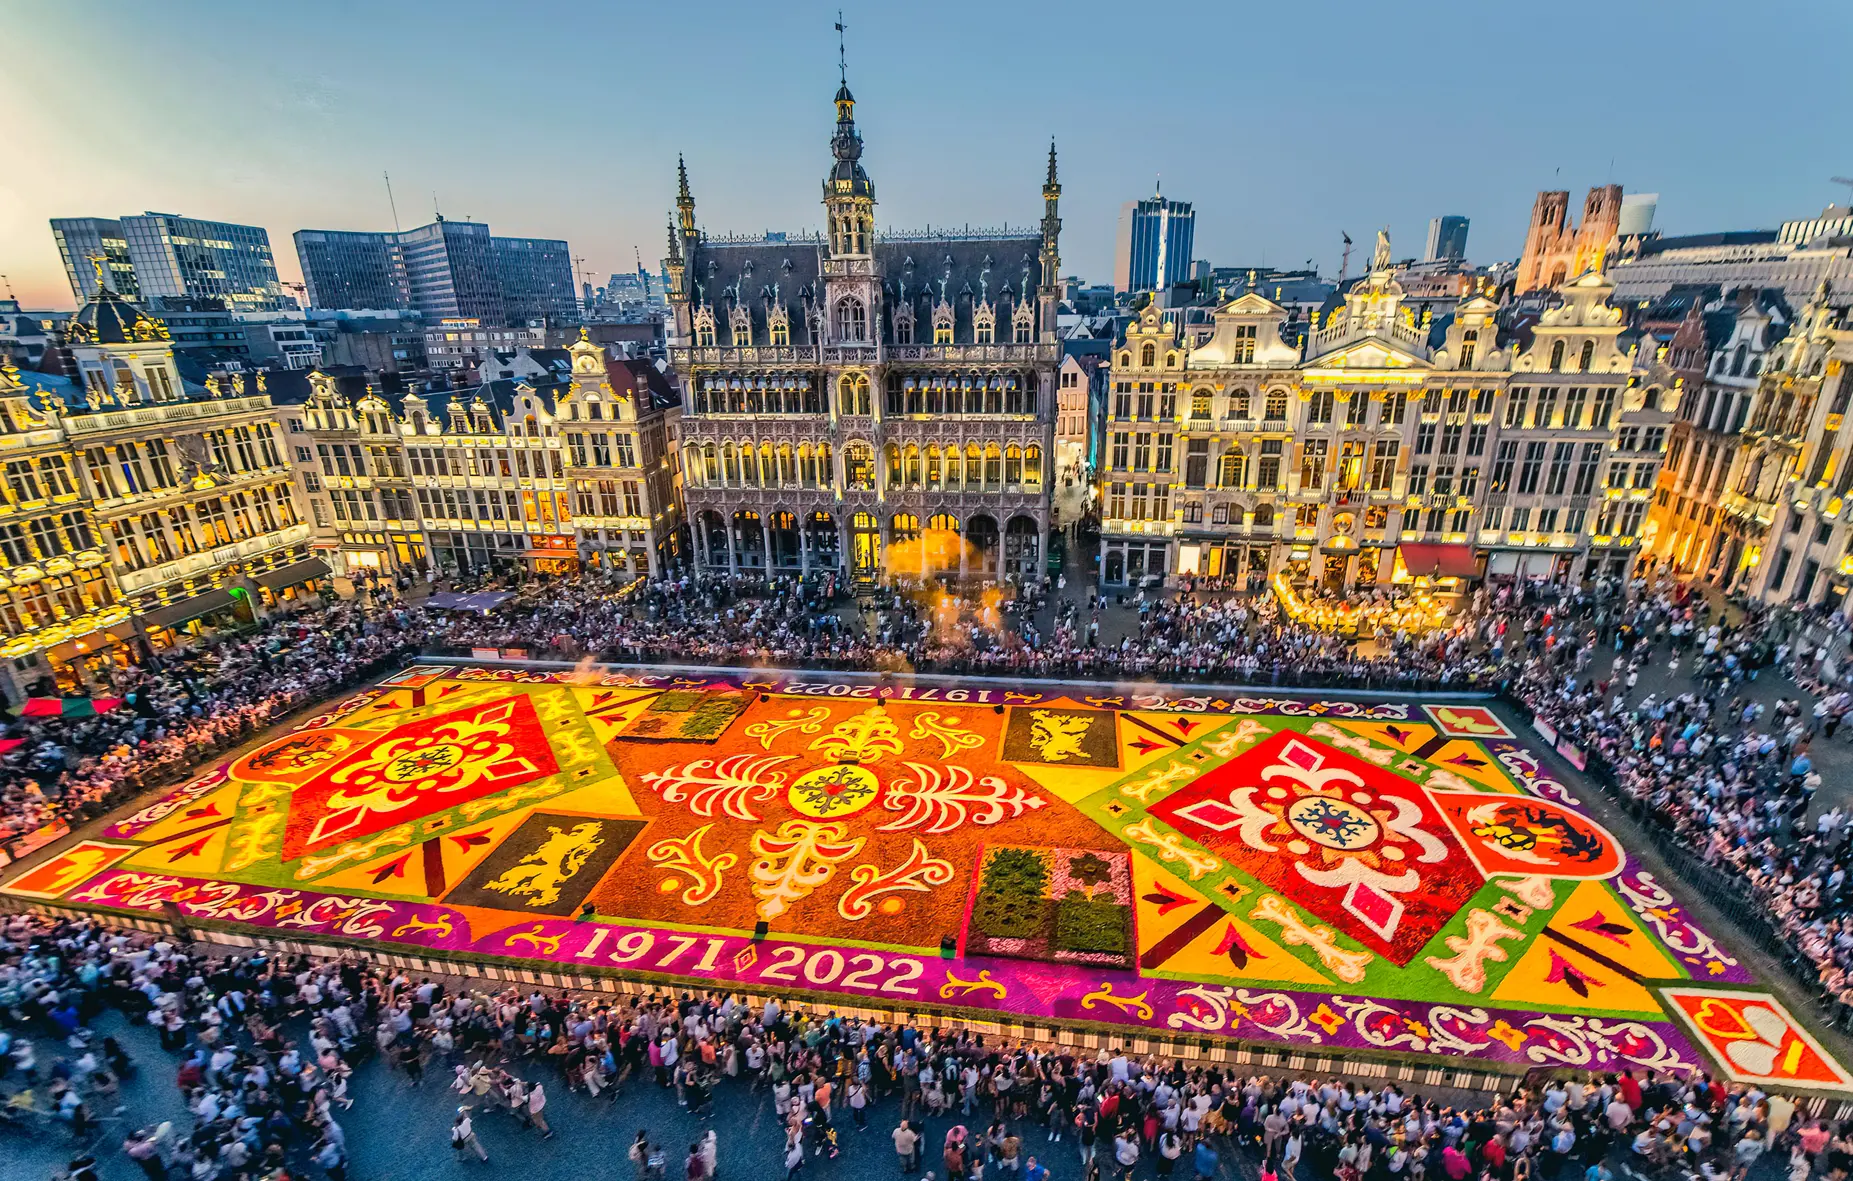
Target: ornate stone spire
<point>685,202</point>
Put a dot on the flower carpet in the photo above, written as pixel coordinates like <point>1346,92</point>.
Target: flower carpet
<point>1328,875</point>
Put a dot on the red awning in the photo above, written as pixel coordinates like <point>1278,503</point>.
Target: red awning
<point>1438,561</point>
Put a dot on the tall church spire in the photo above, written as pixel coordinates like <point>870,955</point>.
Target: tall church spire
<point>849,195</point>
<point>685,201</point>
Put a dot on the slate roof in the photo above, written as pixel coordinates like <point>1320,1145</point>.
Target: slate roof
<point>916,269</point>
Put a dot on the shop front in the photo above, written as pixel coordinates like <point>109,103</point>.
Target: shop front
<point>196,615</point>
<point>298,583</point>
<point>553,555</point>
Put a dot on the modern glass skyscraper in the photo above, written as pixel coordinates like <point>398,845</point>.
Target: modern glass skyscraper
<point>81,241</point>
<point>1153,249</point>
<point>445,270</point>
<point>349,269</point>
<point>1447,239</point>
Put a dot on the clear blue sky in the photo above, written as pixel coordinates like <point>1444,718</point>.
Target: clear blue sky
<point>1284,123</point>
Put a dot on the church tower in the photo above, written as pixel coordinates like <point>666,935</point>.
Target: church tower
<point>1049,295</point>
<point>852,290</point>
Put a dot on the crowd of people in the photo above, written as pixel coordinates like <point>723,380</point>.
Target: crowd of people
<point>200,699</point>
<point>1713,771</point>
<point>263,1049</point>
<point>1705,761</point>
<point>1732,780</point>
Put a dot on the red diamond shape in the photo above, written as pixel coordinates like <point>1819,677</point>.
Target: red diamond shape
<point>1375,838</point>
<point>417,769</point>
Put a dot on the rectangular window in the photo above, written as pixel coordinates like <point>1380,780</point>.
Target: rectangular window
<point>1575,402</point>
<point>1559,476</point>
<point>1586,469</point>
<point>1604,409</point>
<point>1312,464</point>
<point>1515,406</point>
<point>1196,463</point>
<point>1383,464</point>
<point>1503,462</point>
<point>1142,452</point>
<point>1119,455</point>
<point>1547,408</point>
<point>1394,407</point>
<point>627,450</point>
<point>1418,479</point>
<point>1476,441</point>
<point>1425,439</point>
<point>1532,468</point>
<point>1268,472</point>
<point>1162,462</point>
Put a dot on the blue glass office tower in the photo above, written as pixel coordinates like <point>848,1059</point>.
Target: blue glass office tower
<point>1155,239</point>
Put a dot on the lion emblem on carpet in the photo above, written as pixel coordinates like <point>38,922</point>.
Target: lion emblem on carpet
<point>539,876</point>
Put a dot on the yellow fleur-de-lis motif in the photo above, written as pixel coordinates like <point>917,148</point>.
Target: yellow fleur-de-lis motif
<point>1126,1004</point>
<point>957,986</point>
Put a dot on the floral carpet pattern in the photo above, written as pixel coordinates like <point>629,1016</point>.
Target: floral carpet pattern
<point>1399,875</point>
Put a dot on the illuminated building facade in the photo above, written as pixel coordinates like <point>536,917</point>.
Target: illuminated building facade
<point>866,403</point>
<point>547,475</point>
<point>138,506</point>
<point>1788,500</point>
<point>1381,448</point>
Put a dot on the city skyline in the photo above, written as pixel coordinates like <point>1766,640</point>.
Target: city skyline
<point>291,126</point>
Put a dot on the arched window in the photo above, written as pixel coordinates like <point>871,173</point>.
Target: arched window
<point>933,471</point>
<point>894,465</point>
<point>1557,356</point>
<point>1013,465</point>
<point>852,322</point>
<point>1032,466</point>
<point>993,466</point>
<point>1238,404</point>
<point>1737,361</point>
<point>859,467</point>
<point>854,395</point>
<point>1264,516</point>
<point>1125,360</point>
<point>1148,356</point>
<point>1588,358</point>
<point>974,466</point>
<point>911,458</point>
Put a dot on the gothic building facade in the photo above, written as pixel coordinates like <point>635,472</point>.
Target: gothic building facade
<point>871,404</point>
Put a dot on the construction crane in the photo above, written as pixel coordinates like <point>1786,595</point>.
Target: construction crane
<point>1843,180</point>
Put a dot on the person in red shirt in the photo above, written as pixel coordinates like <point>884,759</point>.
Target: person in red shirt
<point>1630,1090</point>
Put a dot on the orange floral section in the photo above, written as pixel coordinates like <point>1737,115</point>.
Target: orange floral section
<point>832,818</point>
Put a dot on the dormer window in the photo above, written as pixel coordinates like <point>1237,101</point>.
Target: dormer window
<point>1148,356</point>
<point>1023,323</point>
<point>740,324</point>
<point>1589,356</point>
<point>904,324</point>
<point>1557,351</point>
<point>1244,344</point>
<point>1470,340</point>
<point>942,323</point>
<point>704,328</point>
<point>984,324</point>
<point>852,322</point>
<point>778,327</point>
